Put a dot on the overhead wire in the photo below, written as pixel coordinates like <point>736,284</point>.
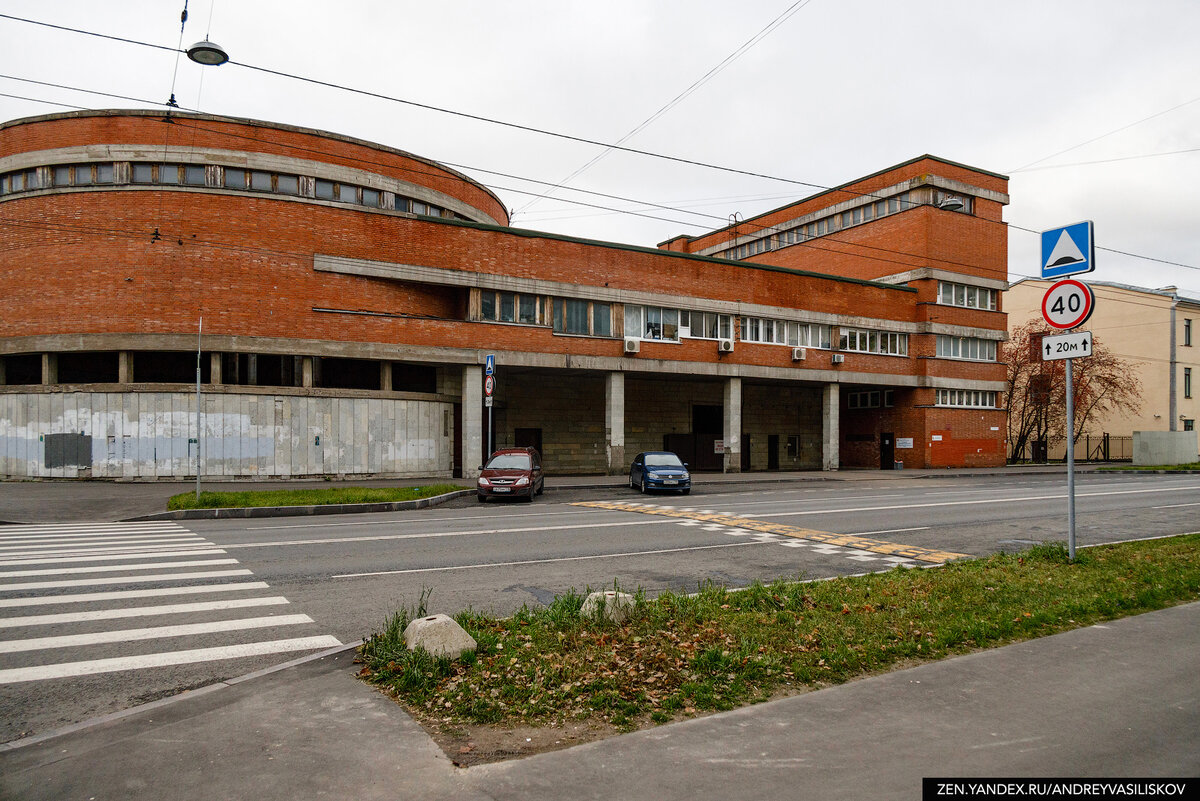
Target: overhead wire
<point>570,137</point>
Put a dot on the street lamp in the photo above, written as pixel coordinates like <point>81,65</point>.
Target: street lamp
<point>207,53</point>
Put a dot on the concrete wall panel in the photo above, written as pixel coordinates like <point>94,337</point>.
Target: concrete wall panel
<point>145,435</point>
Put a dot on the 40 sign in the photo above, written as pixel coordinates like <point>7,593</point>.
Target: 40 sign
<point>1068,303</point>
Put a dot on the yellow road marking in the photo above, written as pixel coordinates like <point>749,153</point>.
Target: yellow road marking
<point>829,538</point>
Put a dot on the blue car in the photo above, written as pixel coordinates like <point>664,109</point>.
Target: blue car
<point>659,470</point>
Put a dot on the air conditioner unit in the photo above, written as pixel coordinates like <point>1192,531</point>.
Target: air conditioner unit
<point>838,358</point>
<point>724,346</point>
<point>632,344</point>
<point>799,354</point>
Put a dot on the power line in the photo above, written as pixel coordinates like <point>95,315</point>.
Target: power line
<point>569,137</point>
<point>679,98</point>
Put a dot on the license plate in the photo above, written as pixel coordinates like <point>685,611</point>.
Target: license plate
<point>501,489</point>
<point>670,481</point>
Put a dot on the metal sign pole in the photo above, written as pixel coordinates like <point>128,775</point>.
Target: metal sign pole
<point>1070,462</point>
<point>199,334</point>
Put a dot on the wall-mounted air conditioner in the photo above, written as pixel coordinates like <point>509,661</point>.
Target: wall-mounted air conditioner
<point>724,346</point>
<point>799,354</point>
<point>838,358</point>
<point>632,344</point>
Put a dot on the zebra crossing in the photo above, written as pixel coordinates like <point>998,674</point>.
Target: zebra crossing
<point>87,599</point>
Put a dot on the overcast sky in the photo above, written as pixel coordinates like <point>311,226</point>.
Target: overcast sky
<point>1085,104</point>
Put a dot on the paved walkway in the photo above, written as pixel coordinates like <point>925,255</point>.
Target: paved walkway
<point>54,501</point>
<point>1117,700</point>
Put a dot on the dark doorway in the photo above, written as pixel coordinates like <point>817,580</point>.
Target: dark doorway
<point>528,438</point>
<point>745,452</point>
<point>708,420</point>
<point>772,451</point>
<point>887,452</point>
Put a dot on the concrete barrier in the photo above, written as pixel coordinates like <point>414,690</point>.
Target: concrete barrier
<point>1164,447</point>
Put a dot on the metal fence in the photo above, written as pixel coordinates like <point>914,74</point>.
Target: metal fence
<point>1089,448</point>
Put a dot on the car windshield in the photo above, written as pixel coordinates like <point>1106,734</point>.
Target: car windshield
<point>509,461</point>
<point>662,460</point>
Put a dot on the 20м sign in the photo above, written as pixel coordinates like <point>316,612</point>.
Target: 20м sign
<point>1067,304</point>
<point>1075,345</point>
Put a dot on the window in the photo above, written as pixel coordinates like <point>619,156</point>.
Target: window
<point>865,341</point>
<point>287,185</point>
<point>324,189</point>
<point>971,297</point>
<point>863,400</point>
<point>508,307</point>
<point>193,174</point>
<point>575,316</point>
<point>602,319</point>
<point>1187,382</point>
<point>370,197</point>
<point>235,179</point>
<point>982,350</point>
<point>705,325</point>
<point>141,174</point>
<point>260,181</point>
<point>104,173</point>
<point>347,193</point>
<point>526,309</point>
<point>978,399</point>
<point>1187,332</point>
<point>653,322</point>
<point>1189,425</point>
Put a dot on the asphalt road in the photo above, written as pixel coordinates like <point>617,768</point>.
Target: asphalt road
<point>288,586</point>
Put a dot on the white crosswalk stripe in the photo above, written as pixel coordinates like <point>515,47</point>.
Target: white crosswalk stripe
<point>48,570</point>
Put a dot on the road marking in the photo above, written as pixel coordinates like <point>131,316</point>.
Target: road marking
<point>1175,506</point>
<point>140,611</point>
<point>53,560</point>
<point>507,515</point>
<point>890,531</point>
<point>59,571</point>
<point>1018,499</point>
<point>151,633</point>
<point>433,534</point>
<point>168,539</point>
<point>92,667</point>
<point>119,550</point>
<point>824,537</point>
<point>119,595</point>
<point>546,561</point>
<point>39,585</point>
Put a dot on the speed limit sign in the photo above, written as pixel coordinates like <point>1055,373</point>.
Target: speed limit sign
<point>1068,303</point>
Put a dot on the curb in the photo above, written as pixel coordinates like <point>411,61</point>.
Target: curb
<point>170,700</point>
<point>299,511</point>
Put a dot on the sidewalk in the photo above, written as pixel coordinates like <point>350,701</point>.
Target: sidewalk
<point>1116,700</point>
<point>54,501</point>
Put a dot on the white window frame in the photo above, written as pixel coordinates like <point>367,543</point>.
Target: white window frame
<point>966,398</point>
<point>967,296</point>
<point>970,349</point>
<point>865,340</point>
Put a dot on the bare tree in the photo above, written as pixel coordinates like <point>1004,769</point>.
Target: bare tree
<point>1103,384</point>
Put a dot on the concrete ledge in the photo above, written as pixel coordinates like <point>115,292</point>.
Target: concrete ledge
<point>300,511</point>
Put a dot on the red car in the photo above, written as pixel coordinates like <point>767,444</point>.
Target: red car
<point>512,472</point>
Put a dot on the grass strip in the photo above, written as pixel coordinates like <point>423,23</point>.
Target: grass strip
<point>685,654</point>
<point>307,497</point>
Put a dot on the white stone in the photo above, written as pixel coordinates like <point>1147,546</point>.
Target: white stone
<point>439,635</point>
<point>615,607</point>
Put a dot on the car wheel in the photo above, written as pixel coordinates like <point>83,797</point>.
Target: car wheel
<point>643,486</point>
<point>480,498</point>
<point>685,491</point>
<point>541,488</point>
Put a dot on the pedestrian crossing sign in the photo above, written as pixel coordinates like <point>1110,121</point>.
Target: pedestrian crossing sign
<point>1068,250</point>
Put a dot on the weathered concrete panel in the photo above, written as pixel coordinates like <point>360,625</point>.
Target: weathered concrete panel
<point>146,435</point>
<point>1164,447</point>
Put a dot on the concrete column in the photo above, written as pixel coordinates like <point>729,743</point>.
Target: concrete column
<point>49,368</point>
<point>3,377</point>
<point>385,376</point>
<point>252,369</point>
<point>830,427</point>
<point>472,420</point>
<point>214,368</point>
<point>733,425</point>
<point>307,371</point>
<point>614,422</point>
<point>125,367</point>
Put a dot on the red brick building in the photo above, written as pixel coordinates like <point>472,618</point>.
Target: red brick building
<point>350,293</point>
